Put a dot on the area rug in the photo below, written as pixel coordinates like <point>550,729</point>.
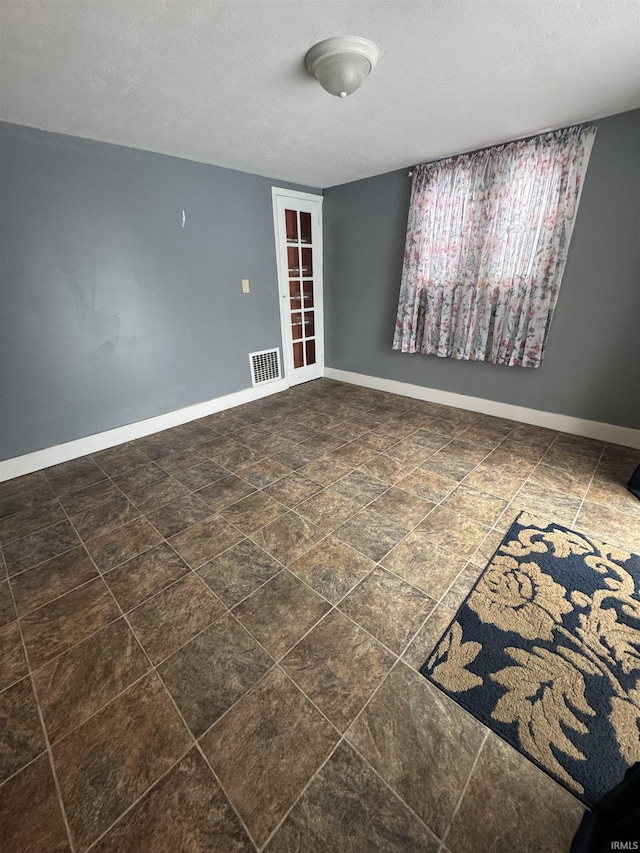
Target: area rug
<point>545,650</point>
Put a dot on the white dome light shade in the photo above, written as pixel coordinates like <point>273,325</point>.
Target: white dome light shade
<point>340,64</point>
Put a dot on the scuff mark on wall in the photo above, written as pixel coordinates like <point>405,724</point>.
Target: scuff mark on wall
<point>107,349</point>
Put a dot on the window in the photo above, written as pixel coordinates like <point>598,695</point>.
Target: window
<point>487,241</point>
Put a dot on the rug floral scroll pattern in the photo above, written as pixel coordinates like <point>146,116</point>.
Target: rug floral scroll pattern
<point>546,651</point>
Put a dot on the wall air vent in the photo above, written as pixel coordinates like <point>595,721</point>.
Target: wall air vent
<point>265,366</point>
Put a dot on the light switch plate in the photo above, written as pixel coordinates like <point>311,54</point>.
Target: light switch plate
<point>245,285</point>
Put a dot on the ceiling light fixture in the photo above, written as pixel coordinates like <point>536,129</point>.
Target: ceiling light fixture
<point>341,63</point>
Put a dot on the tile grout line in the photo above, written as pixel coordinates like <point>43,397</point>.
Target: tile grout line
<point>42,562</point>
<point>90,716</point>
<point>79,642</point>
<point>169,586</point>
<point>332,606</point>
<point>277,665</point>
<point>222,788</point>
<point>461,482</point>
<point>194,571</point>
<point>57,598</point>
<point>31,760</point>
<point>188,728</point>
<point>6,542</point>
<point>531,473</point>
<point>239,476</point>
<point>398,661</point>
<point>466,785</point>
<point>181,717</point>
<point>278,661</point>
<point>316,708</point>
<point>378,563</point>
<point>135,803</point>
<point>249,537</point>
<point>45,735</point>
<point>343,739</point>
<point>102,575</point>
<point>358,583</point>
<point>510,501</point>
<point>124,613</point>
<point>67,519</point>
<point>196,744</point>
<point>584,497</point>
<point>499,529</point>
<point>392,790</point>
<point>19,617</point>
<point>301,794</point>
<point>541,462</point>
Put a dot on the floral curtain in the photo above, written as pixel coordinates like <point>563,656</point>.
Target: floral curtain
<point>487,241</point>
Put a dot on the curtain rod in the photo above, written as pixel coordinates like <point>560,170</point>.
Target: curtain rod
<point>500,144</point>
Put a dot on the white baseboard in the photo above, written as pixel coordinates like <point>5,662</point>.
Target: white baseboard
<point>562,423</point>
<point>20,465</point>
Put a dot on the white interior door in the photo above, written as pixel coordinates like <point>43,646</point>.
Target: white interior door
<point>298,233</point>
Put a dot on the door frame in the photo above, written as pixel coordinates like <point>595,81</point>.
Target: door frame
<point>278,194</point>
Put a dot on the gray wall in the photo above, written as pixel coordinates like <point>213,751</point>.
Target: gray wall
<point>110,311</point>
<point>592,363</point>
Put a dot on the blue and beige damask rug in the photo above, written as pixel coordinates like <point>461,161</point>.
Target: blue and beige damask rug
<point>545,651</point>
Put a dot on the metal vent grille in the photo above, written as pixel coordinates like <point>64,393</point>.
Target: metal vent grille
<point>265,366</point>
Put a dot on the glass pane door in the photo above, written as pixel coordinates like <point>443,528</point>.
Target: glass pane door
<point>298,233</point>
<point>301,295</point>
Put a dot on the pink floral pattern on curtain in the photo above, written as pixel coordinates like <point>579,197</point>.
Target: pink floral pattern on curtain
<point>487,241</point>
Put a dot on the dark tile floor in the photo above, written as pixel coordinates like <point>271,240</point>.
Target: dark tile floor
<point>209,638</point>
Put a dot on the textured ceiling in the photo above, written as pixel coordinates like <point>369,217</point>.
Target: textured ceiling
<point>224,82</point>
